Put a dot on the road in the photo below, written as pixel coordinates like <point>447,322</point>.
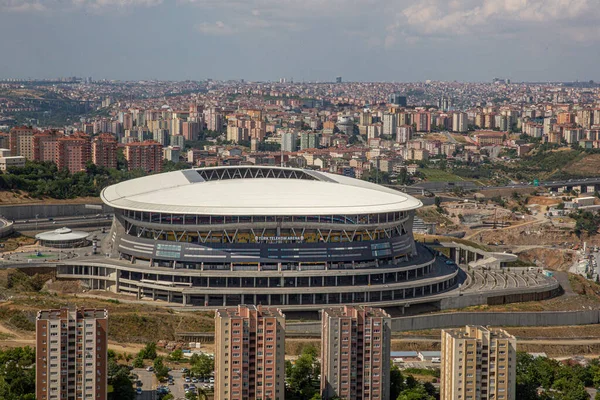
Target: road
<point>74,221</point>
<point>451,138</point>
<point>148,384</point>
<point>548,184</point>
<point>177,389</point>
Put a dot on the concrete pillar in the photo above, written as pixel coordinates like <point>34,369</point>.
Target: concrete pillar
<point>224,300</point>
<point>205,299</point>
<point>153,293</point>
<point>336,281</point>
<point>184,296</point>
<point>170,296</point>
<point>269,299</point>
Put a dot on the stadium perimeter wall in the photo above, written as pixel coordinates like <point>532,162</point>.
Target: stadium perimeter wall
<point>458,319</point>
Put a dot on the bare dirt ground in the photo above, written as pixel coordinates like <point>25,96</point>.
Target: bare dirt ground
<point>554,259</point>
<point>8,197</point>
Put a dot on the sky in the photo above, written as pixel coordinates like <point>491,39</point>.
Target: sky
<point>303,40</point>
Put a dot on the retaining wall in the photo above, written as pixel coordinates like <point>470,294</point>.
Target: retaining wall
<point>459,319</point>
<point>29,211</point>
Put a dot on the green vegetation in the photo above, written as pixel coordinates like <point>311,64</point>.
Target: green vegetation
<point>408,388</point>
<point>17,374</point>
<point>438,175</point>
<point>160,369</point>
<point>302,376</point>
<point>422,371</point>
<point>202,365</point>
<point>585,221</point>
<point>43,179</point>
<point>119,379</point>
<point>148,352</point>
<point>553,379</point>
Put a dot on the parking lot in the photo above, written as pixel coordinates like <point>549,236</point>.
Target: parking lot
<point>148,386</point>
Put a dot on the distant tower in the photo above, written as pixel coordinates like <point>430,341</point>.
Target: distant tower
<point>397,99</point>
<point>338,79</point>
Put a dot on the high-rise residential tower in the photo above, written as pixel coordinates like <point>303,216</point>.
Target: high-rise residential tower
<point>355,353</point>
<point>478,363</point>
<point>104,150</point>
<point>147,156</point>
<point>249,353</point>
<point>71,354</point>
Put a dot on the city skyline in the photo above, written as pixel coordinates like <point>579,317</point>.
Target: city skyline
<point>374,40</point>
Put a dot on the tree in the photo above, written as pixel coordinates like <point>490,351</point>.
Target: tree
<point>160,369</point>
<point>138,362</point>
<point>122,386</point>
<point>176,355</point>
<point>417,392</point>
<point>396,382</point>
<point>17,374</point>
<point>302,376</point>
<point>203,366</point>
<point>148,352</point>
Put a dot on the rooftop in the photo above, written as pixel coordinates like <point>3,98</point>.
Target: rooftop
<point>245,192</point>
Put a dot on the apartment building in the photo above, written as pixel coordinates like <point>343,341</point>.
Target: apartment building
<point>20,141</point>
<point>104,150</point>
<point>478,363</point>
<point>249,353</point>
<point>71,354</point>
<point>355,353</point>
<point>147,155</point>
<point>74,152</point>
<point>45,146</point>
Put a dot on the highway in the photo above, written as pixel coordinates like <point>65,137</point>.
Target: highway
<point>444,187</point>
<point>59,222</point>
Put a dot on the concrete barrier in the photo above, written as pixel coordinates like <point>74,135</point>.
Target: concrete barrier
<point>458,319</point>
<point>29,211</point>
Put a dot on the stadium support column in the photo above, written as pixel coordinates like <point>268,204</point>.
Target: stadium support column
<point>184,299</point>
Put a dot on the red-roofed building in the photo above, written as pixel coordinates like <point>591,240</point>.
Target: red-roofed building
<point>104,151</point>
<point>147,156</point>
<point>74,152</point>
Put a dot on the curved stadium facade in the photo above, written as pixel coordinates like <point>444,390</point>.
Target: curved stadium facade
<point>263,235</point>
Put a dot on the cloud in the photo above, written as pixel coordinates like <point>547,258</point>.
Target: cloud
<point>21,5</point>
<point>101,4</point>
<point>218,28</point>
<point>447,19</point>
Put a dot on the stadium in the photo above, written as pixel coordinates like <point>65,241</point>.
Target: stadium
<point>233,235</point>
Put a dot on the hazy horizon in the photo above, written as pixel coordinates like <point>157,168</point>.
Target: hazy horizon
<point>316,40</point>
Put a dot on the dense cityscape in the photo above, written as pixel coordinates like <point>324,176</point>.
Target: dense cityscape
<point>317,200</point>
<point>454,174</point>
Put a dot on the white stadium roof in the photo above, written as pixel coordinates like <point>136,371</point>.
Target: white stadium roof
<point>187,192</point>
